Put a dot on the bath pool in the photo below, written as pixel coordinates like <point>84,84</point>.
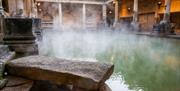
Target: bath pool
<point>141,63</point>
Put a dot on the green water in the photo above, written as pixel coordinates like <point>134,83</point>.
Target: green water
<point>147,69</point>
<point>141,63</point>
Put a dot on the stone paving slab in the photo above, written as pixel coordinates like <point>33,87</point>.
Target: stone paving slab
<point>88,75</point>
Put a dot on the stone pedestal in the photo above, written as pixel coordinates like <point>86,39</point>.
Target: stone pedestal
<point>21,33</point>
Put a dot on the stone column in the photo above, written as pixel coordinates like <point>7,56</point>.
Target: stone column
<point>34,11</point>
<point>116,12</point>
<point>60,14</point>
<point>104,14</point>
<point>165,23</point>
<point>20,4</point>
<point>12,7</point>
<point>135,24</point>
<point>28,7</point>
<point>135,11</point>
<point>84,16</point>
<point>20,8</point>
<point>167,11</point>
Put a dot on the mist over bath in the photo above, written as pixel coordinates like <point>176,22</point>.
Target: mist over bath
<point>89,45</point>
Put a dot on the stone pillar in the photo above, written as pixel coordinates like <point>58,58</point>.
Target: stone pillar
<point>12,7</point>
<point>34,11</point>
<point>165,25</point>
<point>28,7</point>
<point>20,8</point>
<point>60,14</point>
<point>167,11</point>
<point>135,11</point>
<point>135,24</point>
<point>104,14</point>
<point>20,4</point>
<point>116,12</point>
<point>84,16</point>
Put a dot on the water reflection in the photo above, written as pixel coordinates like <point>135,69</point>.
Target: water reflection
<point>150,67</point>
<point>116,83</point>
<point>141,63</point>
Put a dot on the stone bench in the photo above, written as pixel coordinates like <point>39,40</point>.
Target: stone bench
<point>81,74</point>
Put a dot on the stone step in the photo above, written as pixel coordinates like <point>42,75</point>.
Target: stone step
<point>82,74</point>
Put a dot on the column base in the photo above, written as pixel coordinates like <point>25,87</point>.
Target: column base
<point>24,49</point>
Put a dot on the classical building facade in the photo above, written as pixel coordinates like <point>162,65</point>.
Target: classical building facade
<point>146,13</point>
<point>149,11</point>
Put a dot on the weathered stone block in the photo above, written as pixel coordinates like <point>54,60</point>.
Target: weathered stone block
<point>25,48</point>
<point>87,75</point>
<point>18,27</point>
<point>21,26</point>
<point>20,34</point>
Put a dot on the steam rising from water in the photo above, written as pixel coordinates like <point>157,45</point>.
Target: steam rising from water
<point>138,59</point>
<point>134,56</point>
<point>76,44</point>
